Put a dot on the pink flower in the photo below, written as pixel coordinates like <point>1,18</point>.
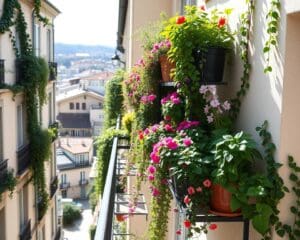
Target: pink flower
<point>186,199</point>
<point>187,141</point>
<point>210,118</point>
<point>178,232</point>
<point>203,89</point>
<point>214,103</point>
<point>206,109</point>
<point>191,190</point>
<point>168,128</point>
<point>171,143</point>
<point>155,192</point>
<point>144,99</point>
<point>199,189</point>
<point>146,131</point>
<point>151,177</point>
<point>202,8</point>
<point>168,43</point>
<point>155,158</point>
<point>156,46</point>
<point>213,226</point>
<point>154,128</point>
<point>151,169</point>
<point>151,97</point>
<point>167,118</point>
<point>175,101</point>
<point>207,183</point>
<point>212,89</point>
<point>226,105</point>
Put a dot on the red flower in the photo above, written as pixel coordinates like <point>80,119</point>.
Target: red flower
<point>202,8</point>
<point>178,232</point>
<point>207,183</point>
<point>167,118</point>
<point>186,199</point>
<point>191,190</point>
<point>213,226</point>
<point>187,223</point>
<point>180,19</point>
<point>221,22</point>
<point>141,135</point>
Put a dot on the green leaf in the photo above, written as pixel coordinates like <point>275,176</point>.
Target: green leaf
<point>235,204</point>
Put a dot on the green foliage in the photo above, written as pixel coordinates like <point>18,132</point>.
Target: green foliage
<point>93,198</point>
<point>92,231</point>
<point>104,147</point>
<point>127,121</point>
<point>71,213</point>
<point>244,41</point>
<point>37,14</point>
<point>273,19</point>
<point>113,105</point>
<point>9,183</point>
<point>7,18</point>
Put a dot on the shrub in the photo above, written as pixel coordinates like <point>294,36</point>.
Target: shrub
<point>92,231</point>
<point>127,121</point>
<point>70,214</point>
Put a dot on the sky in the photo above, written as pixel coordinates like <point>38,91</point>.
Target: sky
<point>91,22</point>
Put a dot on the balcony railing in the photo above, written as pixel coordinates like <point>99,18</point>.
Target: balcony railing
<point>23,159</point>
<point>3,170</point>
<point>53,186</point>
<point>83,182</point>
<point>25,233</point>
<point>52,71</point>
<point>64,185</point>
<point>58,233</point>
<point>2,71</point>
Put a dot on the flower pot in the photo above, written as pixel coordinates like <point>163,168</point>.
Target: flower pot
<point>166,67</point>
<point>210,63</point>
<point>220,201</point>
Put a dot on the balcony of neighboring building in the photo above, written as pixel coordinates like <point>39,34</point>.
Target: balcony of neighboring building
<point>2,71</point>
<point>23,159</point>
<point>64,185</point>
<point>25,233</point>
<point>52,71</point>
<point>83,182</point>
<point>53,186</point>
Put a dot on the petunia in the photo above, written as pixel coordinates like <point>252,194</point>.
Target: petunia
<point>210,118</point>
<point>191,190</point>
<point>168,128</point>
<point>207,183</point>
<point>199,189</point>
<point>187,142</point>
<point>151,169</point>
<point>186,199</point>
<point>214,103</point>
<point>151,97</point>
<point>226,105</point>
<point>155,158</point>
<point>155,192</point>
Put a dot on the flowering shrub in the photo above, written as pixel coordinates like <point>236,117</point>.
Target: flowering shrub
<point>172,108</point>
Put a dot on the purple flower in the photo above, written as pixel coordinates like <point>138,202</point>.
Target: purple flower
<point>226,105</point>
<point>214,103</point>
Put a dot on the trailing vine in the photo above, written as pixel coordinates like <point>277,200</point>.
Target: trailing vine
<point>244,30</point>
<point>34,74</point>
<point>273,17</point>
<point>9,183</point>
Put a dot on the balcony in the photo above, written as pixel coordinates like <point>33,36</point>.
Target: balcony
<point>2,71</point>
<point>53,186</point>
<point>83,182</point>
<point>23,159</point>
<point>3,170</point>
<point>19,70</point>
<point>64,185</point>
<point>52,71</point>
<point>25,233</point>
<point>82,164</point>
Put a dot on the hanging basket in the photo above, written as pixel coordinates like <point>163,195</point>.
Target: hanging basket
<point>166,67</point>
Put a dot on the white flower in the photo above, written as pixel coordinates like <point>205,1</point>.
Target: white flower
<point>214,103</point>
<point>226,105</point>
<point>206,109</point>
<point>210,118</point>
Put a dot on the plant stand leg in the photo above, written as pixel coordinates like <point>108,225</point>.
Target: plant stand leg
<point>246,230</point>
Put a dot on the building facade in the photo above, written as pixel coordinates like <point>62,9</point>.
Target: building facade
<point>74,161</point>
<point>272,97</point>
<point>19,210</point>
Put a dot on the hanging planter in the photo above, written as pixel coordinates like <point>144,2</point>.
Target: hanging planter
<point>166,66</point>
<point>210,63</point>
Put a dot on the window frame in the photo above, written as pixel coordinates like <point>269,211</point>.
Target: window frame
<point>71,106</point>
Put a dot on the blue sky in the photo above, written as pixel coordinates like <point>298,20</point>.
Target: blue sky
<point>92,22</point>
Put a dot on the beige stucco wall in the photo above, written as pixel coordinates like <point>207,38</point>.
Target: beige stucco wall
<point>64,107</point>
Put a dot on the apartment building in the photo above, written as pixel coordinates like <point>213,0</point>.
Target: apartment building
<point>271,97</point>
<point>20,216</point>
<point>80,113</point>
<point>74,161</point>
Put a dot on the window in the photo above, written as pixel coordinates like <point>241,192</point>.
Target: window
<point>37,39</point>
<point>23,207</point>
<point>188,2</point>
<point>1,135</point>
<point>50,107</point>
<point>83,106</point>
<point>71,106</point>
<point>50,45</point>
<point>20,126</point>
<point>77,106</point>
<point>63,178</point>
<point>82,176</point>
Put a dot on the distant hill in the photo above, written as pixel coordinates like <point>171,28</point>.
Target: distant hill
<point>66,49</point>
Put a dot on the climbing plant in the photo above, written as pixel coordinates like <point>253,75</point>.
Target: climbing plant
<point>273,17</point>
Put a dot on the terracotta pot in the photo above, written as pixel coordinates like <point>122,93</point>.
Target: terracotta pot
<point>220,200</point>
<point>166,67</point>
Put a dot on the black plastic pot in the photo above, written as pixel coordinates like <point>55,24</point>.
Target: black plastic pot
<point>210,63</point>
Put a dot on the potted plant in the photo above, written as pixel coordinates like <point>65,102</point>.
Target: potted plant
<point>173,108</point>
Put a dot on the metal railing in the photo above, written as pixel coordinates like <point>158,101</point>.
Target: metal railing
<point>64,185</point>
<point>52,71</point>
<point>2,71</point>
<point>53,186</point>
<point>23,159</point>
<point>25,233</point>
<point>105,220</point>
<point>83,182</point>
<point>3,170</point>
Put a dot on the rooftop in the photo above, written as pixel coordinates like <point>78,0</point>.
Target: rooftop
<point>74,120</point>
<point>77,92</point>
<point>76,145</point>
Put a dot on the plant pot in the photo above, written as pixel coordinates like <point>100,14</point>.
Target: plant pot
<point>166,67</point>
<point>212,61</point>
<point>220,201</point>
